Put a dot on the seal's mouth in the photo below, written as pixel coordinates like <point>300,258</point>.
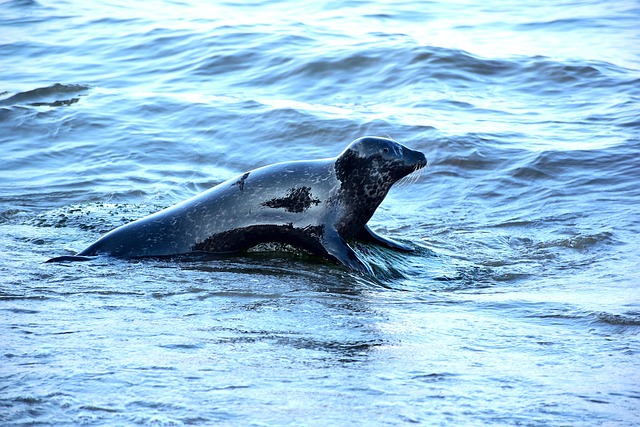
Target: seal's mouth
<point>421,164</point>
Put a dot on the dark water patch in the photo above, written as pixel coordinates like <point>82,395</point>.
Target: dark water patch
<point>458,65</point>
<point>91,408</point>
<point>625,319</point>
<point>557,311</point>
<point>344,351</point>
<point>22,3</point>
<point>470,279</point>
<point>556,24</point>
<point>10,215</point>
<point>280,263</point>
<point>11,296</point>
<point>47,96</point>
<point>18,310</point>
<point>548,71</point>
<point>434,377</point>
<point>578,242</point>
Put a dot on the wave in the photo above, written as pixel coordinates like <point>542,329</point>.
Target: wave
<point>249,57</point>
<point>396,66</point>
<point>55,95</point>
<point>624,319</point>
<point>19,4</point>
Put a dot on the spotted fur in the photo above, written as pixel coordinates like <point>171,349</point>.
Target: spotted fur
<point>316,205</point>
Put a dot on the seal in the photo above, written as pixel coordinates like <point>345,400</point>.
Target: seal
<point>315,205</point>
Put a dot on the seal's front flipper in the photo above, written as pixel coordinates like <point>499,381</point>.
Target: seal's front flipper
<point>337,248</point>
<point>369,236</point>
<point>68,258</point>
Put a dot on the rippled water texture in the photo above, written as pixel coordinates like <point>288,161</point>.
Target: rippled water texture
<point>520,305</point>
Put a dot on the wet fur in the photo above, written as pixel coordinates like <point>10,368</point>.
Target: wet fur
<point>314,205</point>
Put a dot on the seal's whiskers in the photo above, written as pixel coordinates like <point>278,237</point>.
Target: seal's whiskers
<point>412,178</point>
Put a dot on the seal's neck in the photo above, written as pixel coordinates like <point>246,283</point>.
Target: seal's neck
<point>364,183</point>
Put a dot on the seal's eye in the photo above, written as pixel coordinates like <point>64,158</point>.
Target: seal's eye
<point>385,150</point>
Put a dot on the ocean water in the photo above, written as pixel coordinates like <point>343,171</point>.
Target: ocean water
<point>520,305</point>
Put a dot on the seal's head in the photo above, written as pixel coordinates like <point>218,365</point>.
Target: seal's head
<point>379,162</point>
<point>367,169</point>
<point>386,156</point>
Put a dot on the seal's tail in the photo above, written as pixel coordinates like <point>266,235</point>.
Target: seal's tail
<point>67,258</point>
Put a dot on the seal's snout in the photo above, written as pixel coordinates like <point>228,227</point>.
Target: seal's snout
<point>421,161</point>
<point>415,159</point>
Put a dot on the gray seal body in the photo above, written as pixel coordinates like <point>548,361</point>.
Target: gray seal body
<point>316,205</point>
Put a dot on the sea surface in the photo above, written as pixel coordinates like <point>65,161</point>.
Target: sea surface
<point>519,306</point>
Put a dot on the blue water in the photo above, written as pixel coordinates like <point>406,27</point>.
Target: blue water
<point>520,306</point>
